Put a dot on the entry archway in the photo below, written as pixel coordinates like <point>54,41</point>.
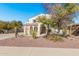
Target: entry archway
<point>42,29</point>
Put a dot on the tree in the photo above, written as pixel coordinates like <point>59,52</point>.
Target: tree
<point>17,24</point>
<point>46,21</point>
<point>71,12</point>
<point>6,25</point>
<point>2,24</point>
<point>62,14</point>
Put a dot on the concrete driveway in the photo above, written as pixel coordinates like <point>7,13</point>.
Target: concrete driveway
<point>36,51</point>
<point>5,36</point>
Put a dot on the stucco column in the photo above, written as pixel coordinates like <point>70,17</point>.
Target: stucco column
<point>33,27</point>
<point>24,30</point>
<point>38,32</point>
<point>28,30</point>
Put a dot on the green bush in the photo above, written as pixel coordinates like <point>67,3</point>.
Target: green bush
<point>55,37</point>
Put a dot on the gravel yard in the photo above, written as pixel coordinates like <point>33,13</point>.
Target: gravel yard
<point>25,41</point>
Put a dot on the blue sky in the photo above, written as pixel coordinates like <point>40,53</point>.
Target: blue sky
<point>17,11</point>
<point>22,11</point>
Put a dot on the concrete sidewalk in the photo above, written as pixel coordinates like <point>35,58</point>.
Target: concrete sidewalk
<point>37,51</point>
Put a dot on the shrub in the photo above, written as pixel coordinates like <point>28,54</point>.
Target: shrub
<point>33,34</point>
<point>55,37</point>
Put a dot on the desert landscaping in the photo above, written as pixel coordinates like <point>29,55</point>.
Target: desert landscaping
<point>26,41</point>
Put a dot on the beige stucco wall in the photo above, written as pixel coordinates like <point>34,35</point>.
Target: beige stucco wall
<point>27,30</point>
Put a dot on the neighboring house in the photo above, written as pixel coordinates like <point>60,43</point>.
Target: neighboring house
<point>41,30</point>
<point>32,24</point>
<point>74,29</point>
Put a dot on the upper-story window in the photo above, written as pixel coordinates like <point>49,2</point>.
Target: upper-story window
<point>34,20</point>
